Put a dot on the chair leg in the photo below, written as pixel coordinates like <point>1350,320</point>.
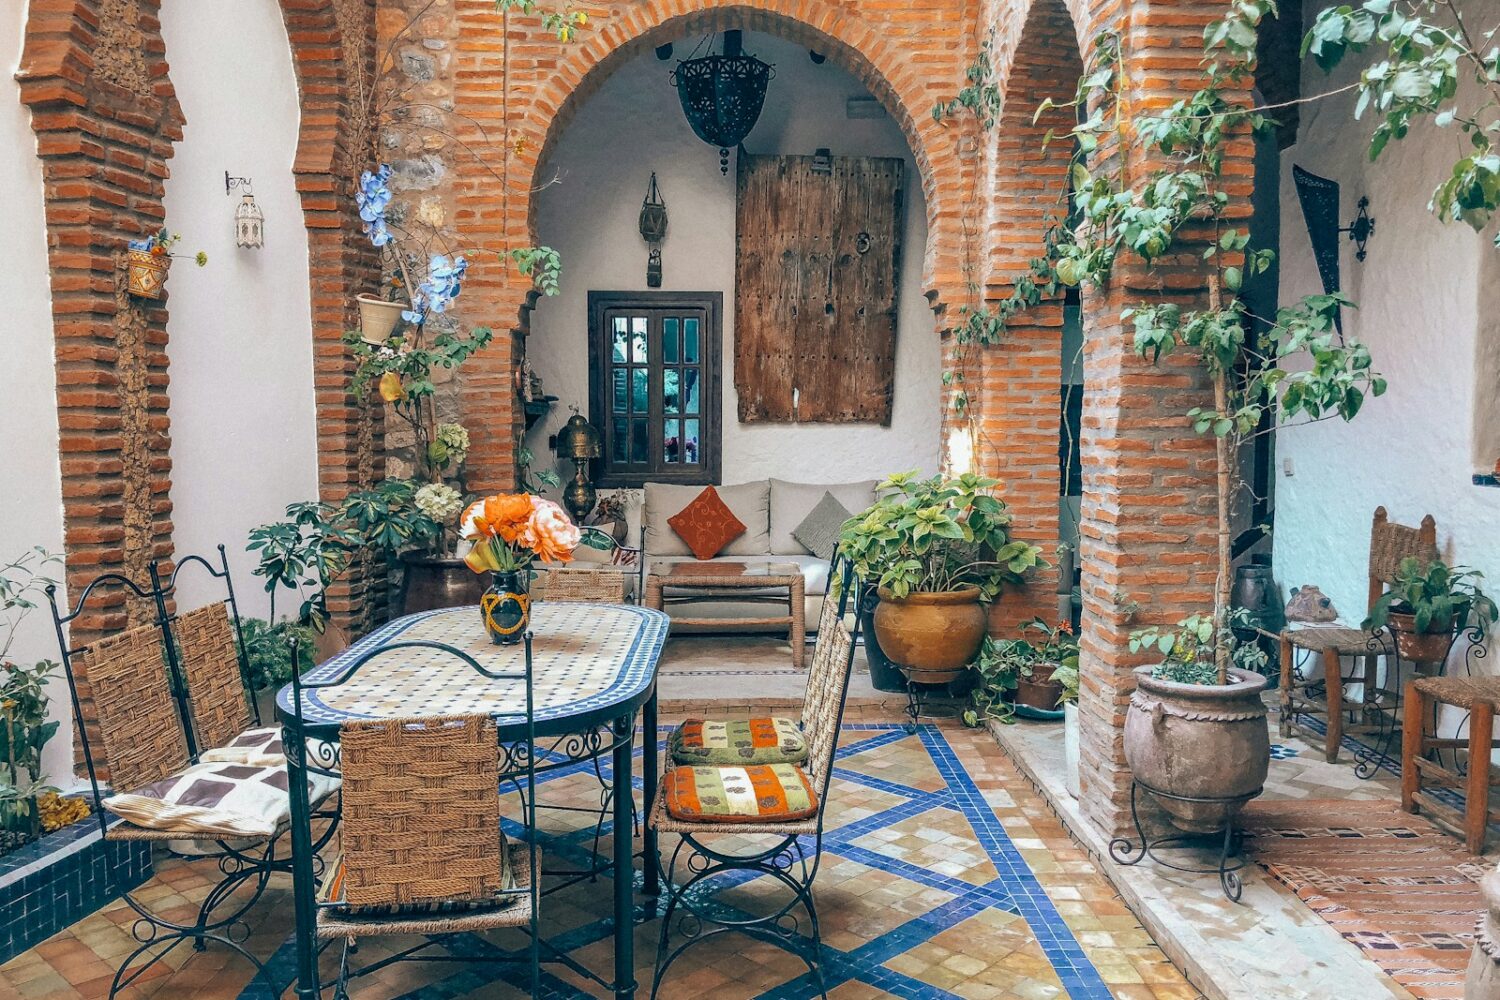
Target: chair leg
<point>1412,745</point>
<point>1286,687</point>
<point>1333,680</point>
<point>1477,801</point>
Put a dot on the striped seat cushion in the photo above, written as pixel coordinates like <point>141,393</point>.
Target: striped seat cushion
<point>760,793</point>
<point>759,740</point>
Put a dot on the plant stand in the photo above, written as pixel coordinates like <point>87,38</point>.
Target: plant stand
<point>1124,851</point>
<point>917,694</point>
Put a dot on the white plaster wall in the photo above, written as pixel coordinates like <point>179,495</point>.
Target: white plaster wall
<point>30,486</point>
<point>244,441</point>
<point>633,125</point>
<point>1425,293</point>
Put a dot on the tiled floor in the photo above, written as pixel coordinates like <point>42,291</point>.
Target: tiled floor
<point>944,875</point>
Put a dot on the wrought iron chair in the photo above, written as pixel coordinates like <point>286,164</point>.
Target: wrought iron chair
<point>792,859</point>
<point>1389,544</point>
<point>144,731</point>
<point>423,850</point>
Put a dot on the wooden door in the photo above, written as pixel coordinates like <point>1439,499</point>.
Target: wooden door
<point>817,256</point>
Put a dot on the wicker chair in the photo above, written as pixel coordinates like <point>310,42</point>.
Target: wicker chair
<point>606,585</point>
<point>423,851</point>
<point>1389,544</point>
<point>1478,696</point>
<point>793,857</point>
<point>139,737</point>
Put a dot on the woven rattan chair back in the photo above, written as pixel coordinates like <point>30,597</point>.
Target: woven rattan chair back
<point>139,725</point>
<point>604,586</point>
<point>1390,543</point>
<point>210,662</point>
<point>828,679</point>
<point>421,810</point>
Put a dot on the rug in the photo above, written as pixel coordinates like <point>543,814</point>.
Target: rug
<point>1392,884</point>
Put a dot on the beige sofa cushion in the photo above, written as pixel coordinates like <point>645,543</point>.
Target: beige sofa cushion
<point>750,502</point>
<point>792,502</point>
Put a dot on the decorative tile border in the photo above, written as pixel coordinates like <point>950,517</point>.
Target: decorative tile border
<point>61,878</point>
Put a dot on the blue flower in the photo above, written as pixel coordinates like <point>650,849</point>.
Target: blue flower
<point>418,311</point>
<point>372,198</point>
<point>444,281</point>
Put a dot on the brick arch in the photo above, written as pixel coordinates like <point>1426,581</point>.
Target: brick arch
<point>893,51</point>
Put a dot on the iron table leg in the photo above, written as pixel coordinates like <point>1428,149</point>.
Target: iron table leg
<point>624,859</point>
<point>650,768</point>
<point>304,886</point>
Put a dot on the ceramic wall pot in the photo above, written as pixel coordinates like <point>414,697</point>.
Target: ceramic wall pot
<point>146,273</point>
<point>1199,741</point>
<point>506,606</point>
<point>1070,747</point>
<point>377,319</point>
<point>438,582</point>
<point>1420,647</point>
<point>1039,690</point>
<point>932,636</point>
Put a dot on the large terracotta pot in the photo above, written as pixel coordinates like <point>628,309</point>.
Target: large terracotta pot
<point>1420,647</point>
<point>1199,741</point>
<point>439,582</point>
<point>1483,980</point>
<point>1039,690</point>
<point>932,636</point>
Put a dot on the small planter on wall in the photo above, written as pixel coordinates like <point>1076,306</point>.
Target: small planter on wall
<point>146,272</point>
<point>378,319</point>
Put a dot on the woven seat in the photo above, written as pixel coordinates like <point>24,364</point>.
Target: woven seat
<point>1345,641</point>
<point>1465,692</point>
<point>515,912</point>
<point>1421,767</point>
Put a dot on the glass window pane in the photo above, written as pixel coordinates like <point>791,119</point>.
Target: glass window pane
<point>622,395</point>
<point>619,338</point>
<point>640,444</point>
<point>620,440</point>
<point>690,441</point>
<point>671,444</point>
<point>669,340</point>
<point>690,390</point>
<point>639,393</point>
<point>669,382</point>
<point>690,350</point>
<point>638,340</point>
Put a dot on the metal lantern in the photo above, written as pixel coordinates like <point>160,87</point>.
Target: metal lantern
<point>579,441</point>
<point>722,95</point>
<point>249,224</point>
<point>653,231</point>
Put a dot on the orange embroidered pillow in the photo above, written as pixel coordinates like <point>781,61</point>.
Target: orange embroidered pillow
<point>707,524</point>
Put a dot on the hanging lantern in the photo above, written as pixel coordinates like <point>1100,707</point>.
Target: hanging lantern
<point>722,95</point>
<point>249,224</point>
<point>653,231</point>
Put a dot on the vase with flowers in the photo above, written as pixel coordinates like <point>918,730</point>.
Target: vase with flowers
<point>147,261</point>
<point>507,532</point>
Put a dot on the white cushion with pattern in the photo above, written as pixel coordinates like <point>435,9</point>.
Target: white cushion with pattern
<point>221,799</point>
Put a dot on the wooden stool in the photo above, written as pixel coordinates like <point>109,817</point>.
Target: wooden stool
<point>1477,695</point>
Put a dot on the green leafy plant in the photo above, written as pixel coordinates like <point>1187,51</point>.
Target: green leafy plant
<point>930,535</point>
<point>995,672</point>
<point>305,552</point>
<point>388,519</point>
<point>1067,675</point>
<point>1189,651</point>
<point>1438,597</point>
<point>268,650</point>
<point>24,727</point>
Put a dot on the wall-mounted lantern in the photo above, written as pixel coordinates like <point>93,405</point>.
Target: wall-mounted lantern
<point>653,231</point>
<point>722,95</point>
<point>249,220</point>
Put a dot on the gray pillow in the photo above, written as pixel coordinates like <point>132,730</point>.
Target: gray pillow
<point>819,531</point>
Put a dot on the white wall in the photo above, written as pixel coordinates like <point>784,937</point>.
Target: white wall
<point>633,125</point>
<point>30,489</point>
<point>244,441</point>
<point>1421,313</point>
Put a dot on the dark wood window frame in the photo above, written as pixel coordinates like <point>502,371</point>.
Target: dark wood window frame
<point>601,305</point>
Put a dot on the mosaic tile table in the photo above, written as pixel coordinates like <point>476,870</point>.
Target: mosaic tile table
<point>593,667</point>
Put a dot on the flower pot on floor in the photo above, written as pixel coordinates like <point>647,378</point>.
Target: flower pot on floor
<point>884,675</point>
<point>378,319</point>
<point>1039,690</point>
<point>433,582</point>
<point>932,636</point>
<point>1420,647</point>
<point>1070,747</point>
<point>1199,741</point>
<point>146,273</point>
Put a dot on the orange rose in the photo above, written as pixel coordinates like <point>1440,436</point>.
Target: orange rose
<point>550,534</point>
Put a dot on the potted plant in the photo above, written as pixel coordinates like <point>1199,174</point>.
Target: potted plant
<point>24,727</point>
<point>1066,675</point>
<point>939,551</point>
<point>1427,604</point>
<point>1053,647</point>
<point>147,261</point>
<point>991,699</point>
<point>507,532</point>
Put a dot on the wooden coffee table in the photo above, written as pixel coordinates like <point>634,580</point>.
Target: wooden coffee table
<point>698,583</point>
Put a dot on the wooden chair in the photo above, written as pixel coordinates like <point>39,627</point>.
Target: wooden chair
<point>1479,696</point>
<point>793,856</point>
<point>1389,544</point>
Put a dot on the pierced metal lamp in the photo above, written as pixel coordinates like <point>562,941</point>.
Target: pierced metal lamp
<point>249,220</point>
<point>579,442</point>
<point>722,95</point>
